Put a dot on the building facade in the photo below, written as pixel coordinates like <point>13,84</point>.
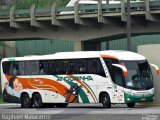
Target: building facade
<point>41,47</point>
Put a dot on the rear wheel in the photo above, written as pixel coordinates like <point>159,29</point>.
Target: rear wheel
<point>131,105</point>
<point>61,105</point>
<point>105,100</point>
<point>37,101</point>
<point>26,101</point>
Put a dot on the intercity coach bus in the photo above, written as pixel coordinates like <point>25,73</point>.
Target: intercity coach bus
<point>107,77</point>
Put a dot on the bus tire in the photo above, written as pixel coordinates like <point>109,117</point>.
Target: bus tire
<point>130,105</point>
<point>61,105</point>
<point>26,101</point>
<point>105,100</point>
<point>37,101</point>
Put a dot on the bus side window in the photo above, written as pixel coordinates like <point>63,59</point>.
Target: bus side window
<point>31,67</point>
<point>7,67</point>
<point>92,66</point>
<point>43,67</point>
<point>73,68</point>
<point>66,66</point>
<point>82,67</point>
<point>100,68</point>
<point>109,64</point>
<point>21,67</point>
<point>95,67</point>
<point>62,66</point>
<point>34,67</point>
<point>59,67</point>
<point>27,68</point>
<point>16,70</point>
<point>54,67</point>
<point>49,71</point>
<point>110,67</point>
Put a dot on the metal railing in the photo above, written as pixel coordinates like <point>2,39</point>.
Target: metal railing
<point>44,12</point>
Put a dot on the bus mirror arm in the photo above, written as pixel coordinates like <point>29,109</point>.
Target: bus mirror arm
<point>156,67</point>
<point>124,69</point>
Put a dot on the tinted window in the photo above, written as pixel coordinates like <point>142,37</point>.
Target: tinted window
<point>31,67</point>
<point>22,67</point>
<point>73,67</point>
<point>82,66</point>
<point>16,70</point>
<point>63,66</point>
<point>53,67</point>
<point>95,67</point>
<point>109,63</point>
<point>118,76</point>
<point>7,66</point>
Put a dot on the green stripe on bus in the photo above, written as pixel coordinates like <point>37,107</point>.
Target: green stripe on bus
<point>11,59</point>
<point>82,94</point>
<point>90,89</point>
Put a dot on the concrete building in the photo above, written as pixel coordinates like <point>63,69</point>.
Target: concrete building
<point>41,47</point>
<point>7,49</point>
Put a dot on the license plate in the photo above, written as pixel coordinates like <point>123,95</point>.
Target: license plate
<point>143,99</point>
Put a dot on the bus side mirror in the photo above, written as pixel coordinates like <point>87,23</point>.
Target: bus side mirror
<point>156,67</point>
<point>124,69</point>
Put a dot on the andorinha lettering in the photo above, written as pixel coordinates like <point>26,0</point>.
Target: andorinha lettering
<point>82,78</point>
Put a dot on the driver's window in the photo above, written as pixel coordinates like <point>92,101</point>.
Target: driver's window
<point>118,76</point>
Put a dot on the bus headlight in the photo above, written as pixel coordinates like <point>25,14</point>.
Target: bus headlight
<point>132,93</point>
<point>153,91</point>
<point>128,99</point>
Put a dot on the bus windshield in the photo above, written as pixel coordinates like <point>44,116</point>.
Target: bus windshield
<point>139,75</point>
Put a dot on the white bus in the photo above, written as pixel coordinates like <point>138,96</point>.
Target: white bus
<point>106,77</point>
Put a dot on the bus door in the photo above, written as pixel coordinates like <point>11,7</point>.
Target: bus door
<point>118,79</point>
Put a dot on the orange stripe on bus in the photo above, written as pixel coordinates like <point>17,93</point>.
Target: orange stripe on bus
<point>80,82</point>
<point>157,72</point>
<point>51,85</point>
<point>109,56</point>
<point>125,73</point>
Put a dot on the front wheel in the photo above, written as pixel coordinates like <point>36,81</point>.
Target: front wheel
<point>37,101</point>
<point>106,101</point>
<point>131,105</point>
<point>26,101</point>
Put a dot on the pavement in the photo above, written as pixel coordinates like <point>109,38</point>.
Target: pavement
<point>80,112</point>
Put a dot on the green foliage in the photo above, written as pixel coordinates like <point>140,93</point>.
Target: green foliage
<point>1,99</point>
<point>62,3</point>
<point>26,4</point>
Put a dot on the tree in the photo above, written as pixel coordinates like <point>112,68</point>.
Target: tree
<point>62,3</point>
<point>25,4</point>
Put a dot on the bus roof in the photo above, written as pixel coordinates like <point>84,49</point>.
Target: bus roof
<point>115,54</point>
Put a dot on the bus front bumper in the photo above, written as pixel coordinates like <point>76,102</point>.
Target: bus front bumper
<point>138,99</point>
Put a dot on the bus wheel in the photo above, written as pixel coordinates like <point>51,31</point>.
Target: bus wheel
<point>26,101</point>
<point>37,101</point>
<point>105,100</point>
<point>61,105</point>
<point>131,105</point>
